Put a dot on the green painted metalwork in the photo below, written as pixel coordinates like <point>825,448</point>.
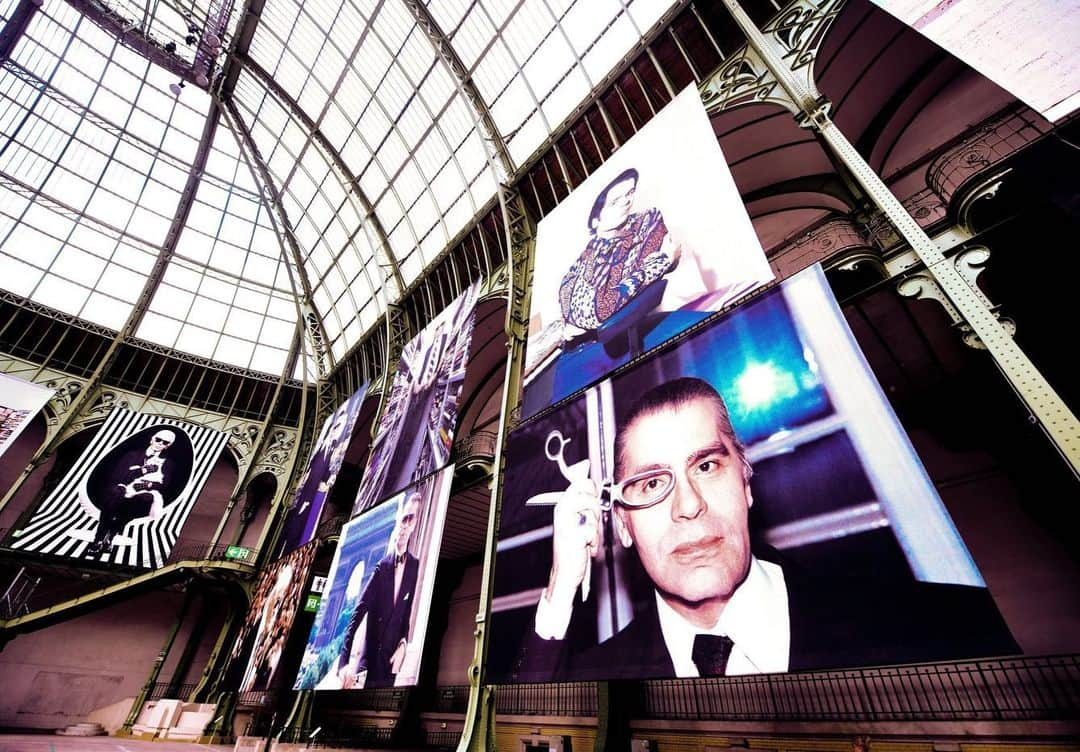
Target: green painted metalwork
<point>478,734</point>
<point>155,670</point>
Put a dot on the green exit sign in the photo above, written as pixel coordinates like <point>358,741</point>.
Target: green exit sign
<point>237,552</point>
<point>312,603</point>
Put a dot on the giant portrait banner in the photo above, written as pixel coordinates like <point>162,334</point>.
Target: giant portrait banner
<point>744,501</point>
<point>372,620</point>
<point>278,593</point>
<point>128,494</point>
<point>1027,48</point>
<point>20,401</point>
<point>652,242</point>
<point>416,430</point>
<point>327,454</point>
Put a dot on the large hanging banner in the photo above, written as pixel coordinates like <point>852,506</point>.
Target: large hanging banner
<point>127,496</point>
<point>744,502</point>
<point>416,431</point>
<point>318,479</point>
<point>278,594</point>
<point>1025,47</point>
<point>651,243</point>
<point>372,620</point>
<point>19,403</point>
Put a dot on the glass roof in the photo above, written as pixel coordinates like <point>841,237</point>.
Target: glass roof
<point>375,156</point>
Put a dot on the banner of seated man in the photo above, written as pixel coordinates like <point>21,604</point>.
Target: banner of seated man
<point>327,454</point>
<point>743,502</point>
<point>651,243</point>
<point>256,655</point>
<point>128,494</point>
<point>372,620</point>
<point>416,430</point>
<point>20,401</point>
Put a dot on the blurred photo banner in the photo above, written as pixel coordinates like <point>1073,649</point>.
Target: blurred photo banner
<point>278,593</point>
<point>128,494</point>
<point>744,502</point>
<point>19,403</point>
<point>318,479</point>
<point>1025,47</point>
<point>416,431</point>
<point>372,620</point>
<point>651,243</point>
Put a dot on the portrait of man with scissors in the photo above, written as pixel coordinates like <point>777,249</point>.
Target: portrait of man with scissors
<point>659,484</point>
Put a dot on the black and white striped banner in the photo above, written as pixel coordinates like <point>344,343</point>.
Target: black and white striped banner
<point>142,474</point>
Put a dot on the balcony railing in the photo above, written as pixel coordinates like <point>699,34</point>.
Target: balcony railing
<point>572,699</point>
<point>169,690</point>
<point>196,551</point>
<point>256,699</point>
<point>1043,688</point>
<point>1035,688</point>
<point>476,445</point>
<point>356,737</point>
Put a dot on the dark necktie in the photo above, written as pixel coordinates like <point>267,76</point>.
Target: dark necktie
<point>710,654</point>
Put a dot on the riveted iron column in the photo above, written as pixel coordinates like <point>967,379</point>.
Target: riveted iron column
<point>159,662</point>
<point>786,48</point>
<point>478,734</point>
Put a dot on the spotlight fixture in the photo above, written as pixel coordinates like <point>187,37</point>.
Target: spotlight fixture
<point>176,88</point>
<point>190,39</point>
<point>192,28</point>
<point>170,47</point>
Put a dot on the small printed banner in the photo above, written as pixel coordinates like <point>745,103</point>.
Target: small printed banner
<point>19,403</point>
<point>128,495</point>
<point>416,431</point>
<point>372,616</point>
<point>278,594</point>
<point>327,454</point>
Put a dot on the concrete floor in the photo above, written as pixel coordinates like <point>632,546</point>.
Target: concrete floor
<point>47,743</point>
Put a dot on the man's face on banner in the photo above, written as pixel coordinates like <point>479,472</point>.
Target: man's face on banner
<point>695,544</point>
<point>407,516</point>
<point>161,441</point>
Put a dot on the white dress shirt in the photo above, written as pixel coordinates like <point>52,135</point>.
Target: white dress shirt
<point>755,619</point>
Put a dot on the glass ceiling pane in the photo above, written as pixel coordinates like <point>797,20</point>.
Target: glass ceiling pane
<point>391,110</point>
<point>227,288</point>
<point>96,154</point>
<point>535,61</point>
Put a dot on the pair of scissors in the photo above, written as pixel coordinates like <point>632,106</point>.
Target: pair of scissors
<point>578,473</point>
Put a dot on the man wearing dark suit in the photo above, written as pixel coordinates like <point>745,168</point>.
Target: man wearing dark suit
<point>133,489</point>
<point>683,502</point>
<point>387,603</point>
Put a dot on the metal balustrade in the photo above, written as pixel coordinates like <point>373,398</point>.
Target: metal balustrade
<point>1041,688</point>
<point>572,699</point>
<point>443,739</point>
<point>1023,688</point>
<point>478,444</point>
<point>331,526</point>
<point>167,690</point>
<point>204,551</point>
<point>355,737</point>
<point>256,698</point>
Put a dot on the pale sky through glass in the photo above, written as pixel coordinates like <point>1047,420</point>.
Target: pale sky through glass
<point>96,152</point>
